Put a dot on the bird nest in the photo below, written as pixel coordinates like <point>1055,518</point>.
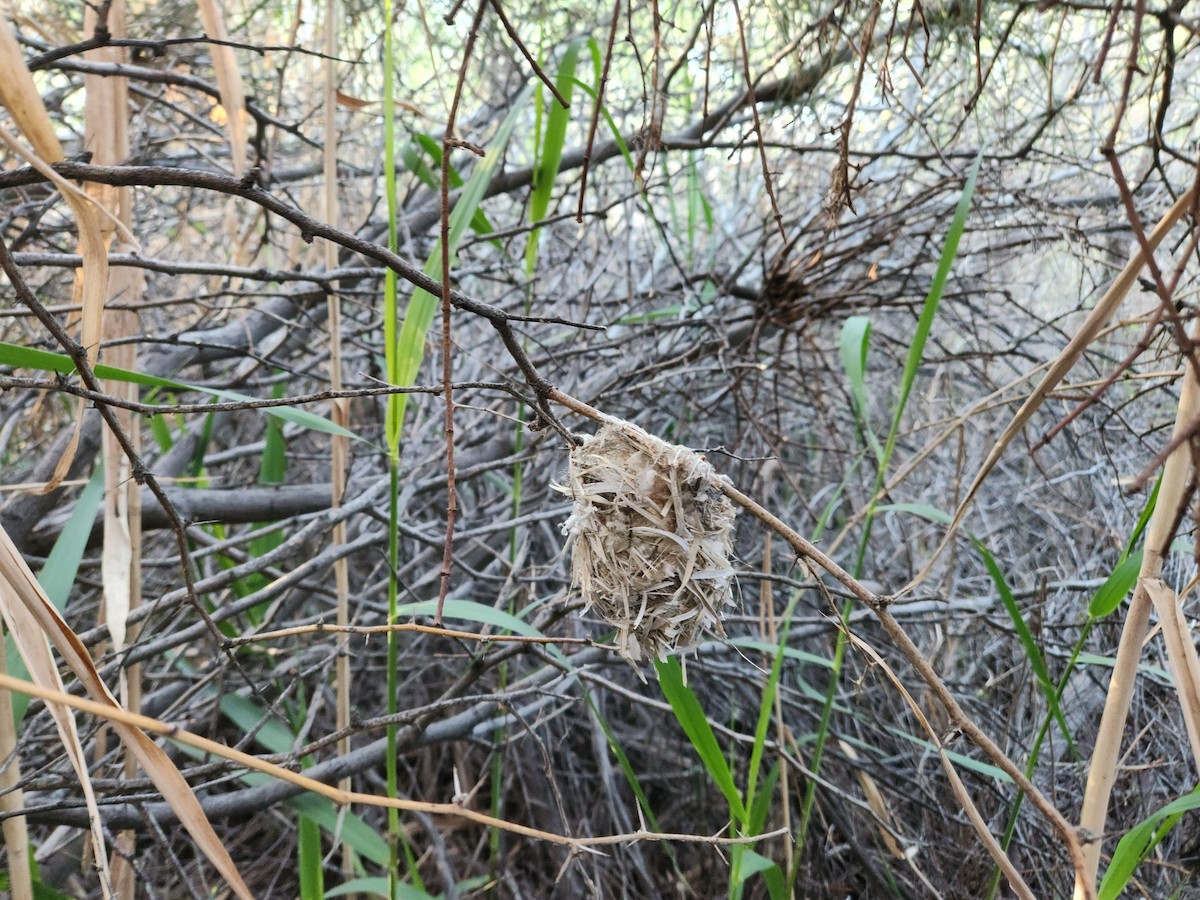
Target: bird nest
<point>650,536</point>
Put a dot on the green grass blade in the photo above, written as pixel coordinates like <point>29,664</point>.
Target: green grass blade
<point>62,565</point>
<point>275,736</point>
<point>766,709</point>
<point>557,120</point>
<point>45,361</point>
<point>692,720</point>
<point>312,875</point>
<point>1116,587</point>
<point>753,863</point>
<point>1034,654</point>
<point>1143,518</point>
<point>470,611</point>
<point>855,341</point>
<point>272,467</point>
<point>58,574</point>
<point>345,826</point>
<point>749,643</point>
<point>1137,843</point>
<point>378,887</point>
<point>916,350</point>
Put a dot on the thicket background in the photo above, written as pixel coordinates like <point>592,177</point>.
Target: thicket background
<point>761,200</point>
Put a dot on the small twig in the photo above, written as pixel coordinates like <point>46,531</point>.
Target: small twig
<point>167,267</point>
<point>591,138</point>
<point>1106,44</point>
<point>153,409</point>
<point>158,47</point>
<point>537,70</point>
<point>758,130</point>
<point>1131,69</point>
<point>1099,391</point>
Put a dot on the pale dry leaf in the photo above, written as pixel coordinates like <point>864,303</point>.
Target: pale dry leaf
<point>229,83</point>
<point>876,801</point>
<point>357,103</point>
<point>17,583</point>
<point>117,564</point>
<point>1181,658</point>
<point>22,99</point>
<point>20,586</point>
<point>24,103</point>
<point>12,798</point>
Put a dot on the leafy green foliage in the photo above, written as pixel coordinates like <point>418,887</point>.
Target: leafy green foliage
<point>1140,841</point>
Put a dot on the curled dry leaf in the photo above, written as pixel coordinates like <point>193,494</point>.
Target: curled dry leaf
<point>17,583</point>
<point>34,620</point>
<point>650,536</point>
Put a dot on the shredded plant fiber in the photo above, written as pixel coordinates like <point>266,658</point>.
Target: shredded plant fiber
<point>650,537</point>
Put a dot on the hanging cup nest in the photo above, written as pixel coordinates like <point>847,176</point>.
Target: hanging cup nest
<point>650,538</point>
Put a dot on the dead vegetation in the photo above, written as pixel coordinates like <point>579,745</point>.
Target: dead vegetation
<point>708,301</point>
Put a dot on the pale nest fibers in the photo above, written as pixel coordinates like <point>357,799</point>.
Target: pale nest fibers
<point>650,536</point>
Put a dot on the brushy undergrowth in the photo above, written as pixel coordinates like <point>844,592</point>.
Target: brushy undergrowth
<point>835,299</point>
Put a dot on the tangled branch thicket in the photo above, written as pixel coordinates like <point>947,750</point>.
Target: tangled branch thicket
<point>759,174</point>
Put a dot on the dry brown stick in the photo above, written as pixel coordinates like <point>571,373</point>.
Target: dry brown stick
<point>758,129</point>
<point>1131,69</point>
<point>204,409</point>
<point>322,628</point>
<point>840,186</point>
<point>533,64</point>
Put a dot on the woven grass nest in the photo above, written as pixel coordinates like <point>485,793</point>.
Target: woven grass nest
<point>650,537</point>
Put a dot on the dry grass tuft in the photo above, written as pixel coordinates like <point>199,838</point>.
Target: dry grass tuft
<point>651,539</point>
